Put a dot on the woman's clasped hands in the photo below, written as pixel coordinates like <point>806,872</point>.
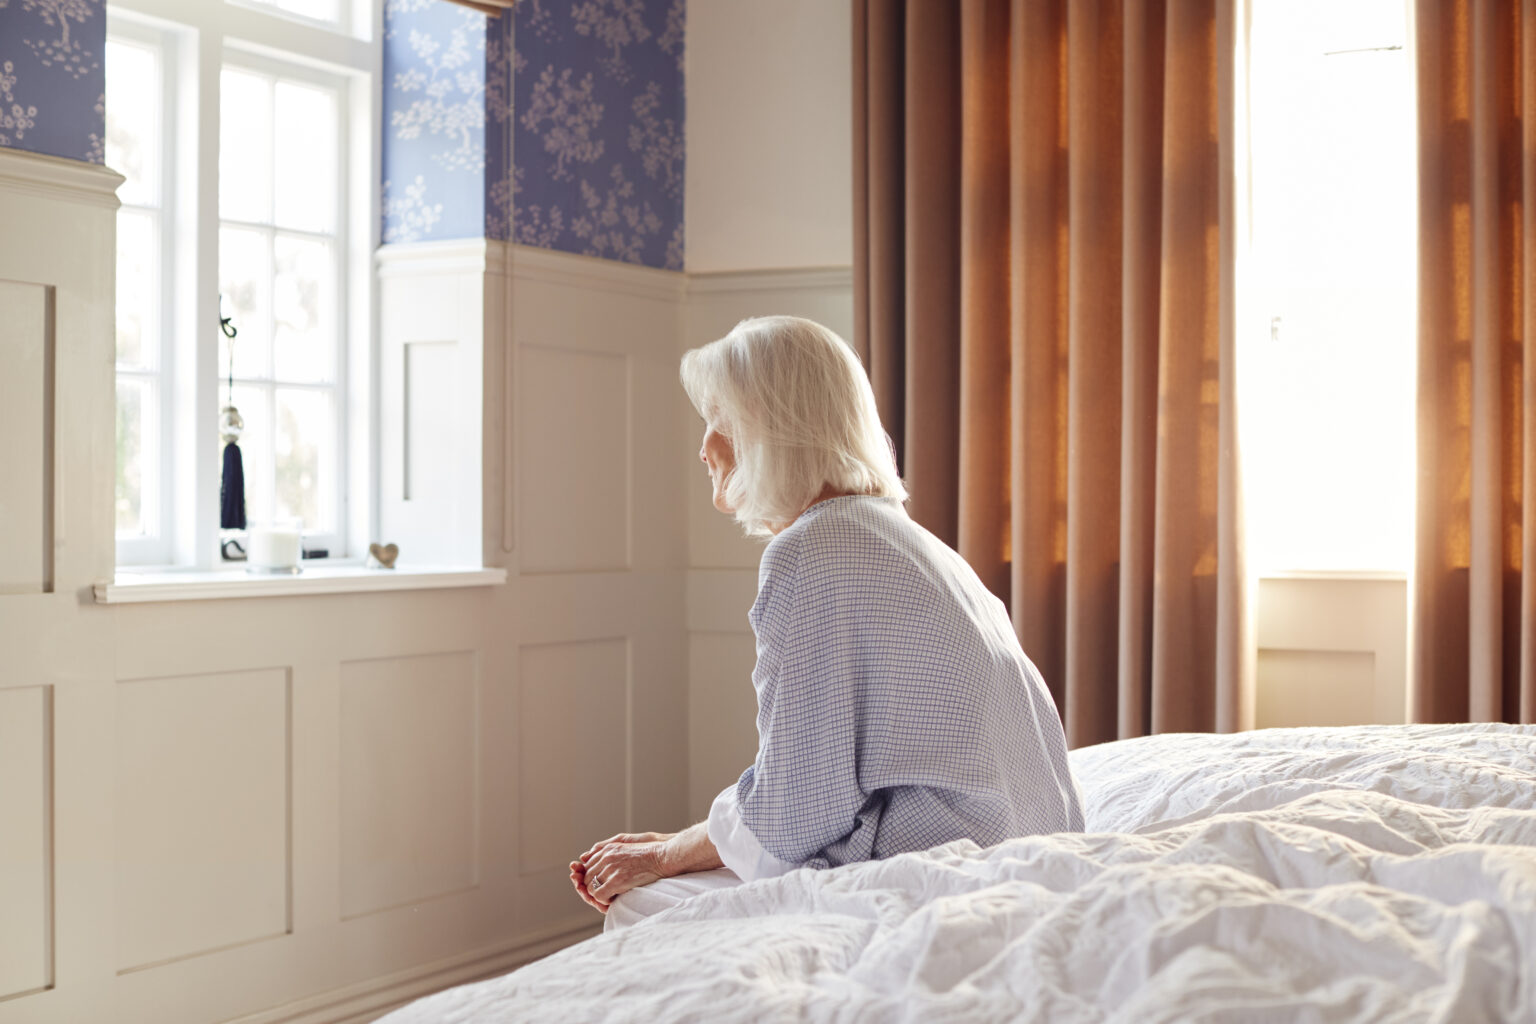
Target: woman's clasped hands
<point>618,864</point>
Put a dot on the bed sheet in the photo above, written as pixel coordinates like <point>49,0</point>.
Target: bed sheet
<point>1362,874</point>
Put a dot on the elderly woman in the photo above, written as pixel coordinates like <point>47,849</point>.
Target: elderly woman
<point>896,710</point>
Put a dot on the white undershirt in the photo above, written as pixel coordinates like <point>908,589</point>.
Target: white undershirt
<point>736,844</point>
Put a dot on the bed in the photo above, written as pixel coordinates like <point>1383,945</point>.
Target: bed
<point>1374,873</point>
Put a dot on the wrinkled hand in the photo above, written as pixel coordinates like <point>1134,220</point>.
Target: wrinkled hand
<point>618,864</point>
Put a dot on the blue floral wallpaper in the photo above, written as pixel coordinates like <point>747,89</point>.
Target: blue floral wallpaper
<point>52,86</point>
<point>599,132</point>
<point>572,140</point>
<point>436,103</point>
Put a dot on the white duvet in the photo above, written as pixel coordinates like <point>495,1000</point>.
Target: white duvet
<point>1372,874</point>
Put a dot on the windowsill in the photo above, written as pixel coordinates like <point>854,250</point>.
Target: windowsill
<point>131,587</point>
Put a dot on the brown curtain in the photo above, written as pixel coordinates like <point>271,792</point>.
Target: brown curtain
<point>1474,594</point>
<point>1043,297</point>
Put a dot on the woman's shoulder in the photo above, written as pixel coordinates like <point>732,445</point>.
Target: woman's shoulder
<point>837,534</point>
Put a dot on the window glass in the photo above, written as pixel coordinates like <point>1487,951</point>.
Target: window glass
<point>278,257</point>
<point>1328,397</point>
<point>245,146</point>
<point>133,120</point>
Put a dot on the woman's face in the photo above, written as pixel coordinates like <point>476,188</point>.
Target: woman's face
<point>717,453</point>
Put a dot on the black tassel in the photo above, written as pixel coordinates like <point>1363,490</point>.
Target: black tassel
<point>232,490</point>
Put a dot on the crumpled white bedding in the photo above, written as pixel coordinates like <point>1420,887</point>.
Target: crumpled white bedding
<point>1379,873</point>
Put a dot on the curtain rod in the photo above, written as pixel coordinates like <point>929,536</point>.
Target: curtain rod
<point>492,8</point>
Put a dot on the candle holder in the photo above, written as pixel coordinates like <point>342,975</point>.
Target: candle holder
<point>273,549</point>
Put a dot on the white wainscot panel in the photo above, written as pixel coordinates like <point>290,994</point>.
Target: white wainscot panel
<point>573,773</point>
<point>431,386</point>
<point>26,455</point>
<point>203,825</point>
<point>409,780</point>
<point>574,455</point>
<point>26,868</point>
<point>1315,688</point>
<point>722,714</point>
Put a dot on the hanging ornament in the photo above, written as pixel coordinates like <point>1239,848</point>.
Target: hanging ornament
<point>232,481</point>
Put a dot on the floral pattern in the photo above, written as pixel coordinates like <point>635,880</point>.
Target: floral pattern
<point>599,144</point>
<point>434,132</point>
<point>572,139</point>
<point>51,77</point>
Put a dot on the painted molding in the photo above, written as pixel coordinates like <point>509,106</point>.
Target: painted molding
<point>801,279</point>
<point>550,267</point>
<point>137,588</point>
<point>451,256</point>
<point>52,177</point>
<point>376,997</point>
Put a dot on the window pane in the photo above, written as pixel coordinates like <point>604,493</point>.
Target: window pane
<point>304,457</point>
<point>133,121</point>
<point>137,451</point>
<point>138,289</point>
<point>245,282</point>
<point>253,401</point>
<point>245,146</point>
<point>303,304</point>
<point>1329,438</point>
<point>306,157</point>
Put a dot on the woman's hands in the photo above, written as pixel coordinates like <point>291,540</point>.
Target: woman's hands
<point>632,859</point>
<point>618,864</point>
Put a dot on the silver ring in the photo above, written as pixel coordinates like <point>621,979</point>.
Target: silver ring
<point>593,883</point>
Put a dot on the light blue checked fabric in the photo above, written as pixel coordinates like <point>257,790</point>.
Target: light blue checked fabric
<point>896,710</point>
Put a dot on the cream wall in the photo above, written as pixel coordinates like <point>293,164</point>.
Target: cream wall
<point>722,564</point>
<point>770,230</point>
<point>770,159</point>
<point>313,808</point>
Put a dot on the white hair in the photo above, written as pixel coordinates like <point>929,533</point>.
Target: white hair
<point>797,407</point>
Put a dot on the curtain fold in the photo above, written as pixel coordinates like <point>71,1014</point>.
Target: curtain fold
<point>1473,642</point>
<point>1043,270</point>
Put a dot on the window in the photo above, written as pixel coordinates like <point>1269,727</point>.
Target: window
<point>279,252</point>
<point>1329,422</point>
<point>247,139</point>
<point>136,146</point>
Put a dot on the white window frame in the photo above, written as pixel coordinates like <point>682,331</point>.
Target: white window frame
<point>154,546</point>
<point>198,37</point>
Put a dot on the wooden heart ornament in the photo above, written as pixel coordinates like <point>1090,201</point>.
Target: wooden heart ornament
<point>383,555</point>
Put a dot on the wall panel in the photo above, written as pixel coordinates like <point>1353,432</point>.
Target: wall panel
<point>26,841</point>
<point>722,714</point>
<point>203,833</point>
<point>574,457</point>
<point>26,424</point>
<point>1315,688</point>
<point>573,732</point>
<point>430,421</point>
<point>409,753</point>
<point>1332,650</point>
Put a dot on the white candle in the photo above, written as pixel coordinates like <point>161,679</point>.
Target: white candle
<point>273,547</point>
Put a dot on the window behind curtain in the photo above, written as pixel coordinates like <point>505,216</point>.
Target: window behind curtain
<point>1328,401</point>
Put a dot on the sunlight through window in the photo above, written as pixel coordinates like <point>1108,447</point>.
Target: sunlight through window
<point>1329,404</point>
